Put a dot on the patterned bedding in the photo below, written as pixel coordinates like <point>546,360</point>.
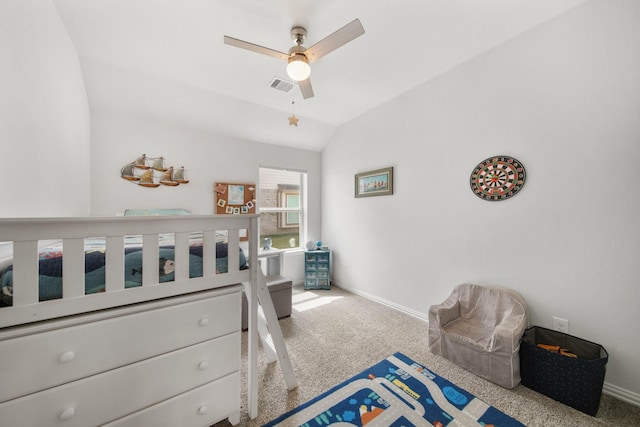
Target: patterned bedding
<point>50,267</point>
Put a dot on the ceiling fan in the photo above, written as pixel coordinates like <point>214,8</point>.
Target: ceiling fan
<point>299,57</point>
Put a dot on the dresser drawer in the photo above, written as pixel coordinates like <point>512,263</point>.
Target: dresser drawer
<point>201,407</point>
<point>110,395</point>
<point>33,362</point>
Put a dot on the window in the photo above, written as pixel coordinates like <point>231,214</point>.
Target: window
<point>290,198</point>
<point>282,207</point>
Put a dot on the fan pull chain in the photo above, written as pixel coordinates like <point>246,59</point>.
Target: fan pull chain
<point>293,120</point>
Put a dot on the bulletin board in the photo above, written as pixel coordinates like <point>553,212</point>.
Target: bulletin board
<point>235,199</point>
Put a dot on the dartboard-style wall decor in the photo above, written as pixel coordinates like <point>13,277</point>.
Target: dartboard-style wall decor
<point>497,178</point>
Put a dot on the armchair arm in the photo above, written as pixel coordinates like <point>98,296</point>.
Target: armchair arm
<point>441,314</point>
<point>507,335</point>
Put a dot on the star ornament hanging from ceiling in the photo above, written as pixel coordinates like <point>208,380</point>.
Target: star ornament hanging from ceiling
<point>293,120</point>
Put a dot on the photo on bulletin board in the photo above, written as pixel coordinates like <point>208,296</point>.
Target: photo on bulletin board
<point>234,198</point>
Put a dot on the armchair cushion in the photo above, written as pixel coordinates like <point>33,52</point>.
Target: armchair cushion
<point>480,328</point>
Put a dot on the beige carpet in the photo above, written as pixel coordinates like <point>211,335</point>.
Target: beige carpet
<point>333,335</point>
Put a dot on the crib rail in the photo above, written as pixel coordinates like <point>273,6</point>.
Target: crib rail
<point>25,233</point>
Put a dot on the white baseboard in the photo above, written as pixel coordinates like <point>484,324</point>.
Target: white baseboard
<point>413,313</point>
<point>621,393</point>
<point>608,388</point>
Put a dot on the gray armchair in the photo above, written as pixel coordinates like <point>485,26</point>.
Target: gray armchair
<point>479,328</point>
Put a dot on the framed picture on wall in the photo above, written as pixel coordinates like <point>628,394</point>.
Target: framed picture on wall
<point>377,182</point>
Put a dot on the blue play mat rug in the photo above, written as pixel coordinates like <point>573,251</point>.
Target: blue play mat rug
<point>395,392</point>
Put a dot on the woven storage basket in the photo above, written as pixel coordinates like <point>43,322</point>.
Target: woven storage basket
<point>576,382</point>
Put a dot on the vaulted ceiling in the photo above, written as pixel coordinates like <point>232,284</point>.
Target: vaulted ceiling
<point>166,58</point>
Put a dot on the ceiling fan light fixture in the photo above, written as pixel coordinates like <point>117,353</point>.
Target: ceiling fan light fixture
<point>298,68</point>
<point>298,57</point>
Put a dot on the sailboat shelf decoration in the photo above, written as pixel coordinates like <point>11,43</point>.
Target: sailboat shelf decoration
<point>152,172</point>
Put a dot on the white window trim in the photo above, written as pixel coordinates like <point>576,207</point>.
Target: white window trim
<point>303,187</point>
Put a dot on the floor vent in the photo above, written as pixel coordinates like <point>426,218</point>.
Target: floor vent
<point>282,85</point>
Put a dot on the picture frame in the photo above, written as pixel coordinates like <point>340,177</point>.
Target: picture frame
<point>377,182</point>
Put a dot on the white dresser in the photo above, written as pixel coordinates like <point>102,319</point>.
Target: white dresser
<point>171,362</point>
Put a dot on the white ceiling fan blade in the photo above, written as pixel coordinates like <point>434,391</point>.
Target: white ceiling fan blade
<point>333,41</point>
<point>255,48</point>
<point>305,88</point>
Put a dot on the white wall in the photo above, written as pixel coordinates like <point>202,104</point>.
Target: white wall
<point>564,99</point>
<point>209,158</point>
<point>44,127</point>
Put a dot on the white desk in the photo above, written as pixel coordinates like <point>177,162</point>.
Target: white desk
<point>273,260</point>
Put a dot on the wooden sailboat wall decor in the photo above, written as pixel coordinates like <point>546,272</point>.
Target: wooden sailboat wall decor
<point>152,172</point>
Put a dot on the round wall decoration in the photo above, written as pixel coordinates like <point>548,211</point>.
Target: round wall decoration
<point>497,178</point>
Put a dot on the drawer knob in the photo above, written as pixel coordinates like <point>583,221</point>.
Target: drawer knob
<point>204,321</point>
<point>67,356</point>
<point>67,414</point>
<point>202,410</point>
<point>203,365</point>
